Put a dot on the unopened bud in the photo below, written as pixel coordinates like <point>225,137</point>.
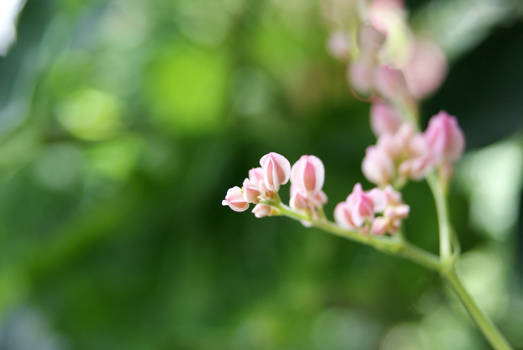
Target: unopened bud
<point>377,166</point>
<point>426,68</point>
<point>370,40</point>
<point>361,75</point>
<point>261,210</point>
<point>391,84</point>
<point>235,200</point>
<point>251,191</point>
<point>308,174</point>
<point>444,138</point>
<point>384,119</point>
<point>276,170</point>
<point>338,45</point>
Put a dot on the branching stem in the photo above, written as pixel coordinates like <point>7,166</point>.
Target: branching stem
<point>390,245</point>
<point>444,264</point>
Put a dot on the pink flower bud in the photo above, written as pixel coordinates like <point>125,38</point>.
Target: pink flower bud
<point>307,174</point>
<point>394,210</point>
<point>339,45</point>
<point>391,84</point>
<point>380,225</point>
<point>384,119</point>
<point>398,211</point>
<point>379,198</point>
<point>398,145</point>
<point>257,182</point>
<point>444,138</point>
<point>256,175</point>
<point>392,197</point>
<point>416,168</point>
<point>361,75</point>
<point>251,191</point>
<point>386,15</point>
<point>234,199</point>
<point>357,208</point>
<point>261,210</point>
<point>370,40</point>
<point>383,224</point>
<point>425,69</point>
<point>343,216</point>
<point>360,205</point>
<point>378,166</point>
<point>390,145</point>
<point>298,200</point>
<point>276,170</point>
<point>394,226</point>
<point>360,208</point>
<point>320,198</point>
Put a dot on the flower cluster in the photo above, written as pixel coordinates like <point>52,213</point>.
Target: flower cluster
<point>388,61</point>
<point>307,178</point>
<point>386,52</point>
<point>378,211</point>
<point>359,210</point>
<point>306,175</point>
<point>401,153</point>
<point>263,183</point>
<point>396,68</point>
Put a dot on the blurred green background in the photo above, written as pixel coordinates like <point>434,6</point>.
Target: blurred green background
<point>123,123</point>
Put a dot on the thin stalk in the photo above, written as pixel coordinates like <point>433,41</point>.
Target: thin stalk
<point>399,247</point>
<point>392,246</point>
<point>449,242</point>
<point>486,326</point>
<point>445,231</point>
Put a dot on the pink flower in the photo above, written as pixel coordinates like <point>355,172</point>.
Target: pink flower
<point>404,154</point>
<point>425,69</point>
<point>381,225</point>
<point>257,182</point>
<point>235,200</point>
<point>379,198</point>
<point>398,211</point>
<point>391,144</point>
<point>261,210</point>
<point>391,84</point>
<point>299,200</point>
<point>251,191</point>
<point>378,166</point>
<point>384,119</point>
<point>361,205</point>
<point>385,15</point>
<point>358,208</point>
<point>339,45</point>
<point>361,75</point>
<point>444,138</point>
<point>319,198</point>
<point>343,216</point>
<point>256,175</point>
<point>416,168</point>
<point>393,209</point>
<point>307,174</point>
<point>276,170</point>
<point>370,40</point>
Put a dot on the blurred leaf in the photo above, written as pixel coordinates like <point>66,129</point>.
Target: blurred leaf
<point>186,88</point>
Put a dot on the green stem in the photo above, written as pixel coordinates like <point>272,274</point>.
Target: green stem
<point>439,194</point>
<point>399,247</point>
<point>449,242</point>
<point>486,326</point>
<point>392,246</point>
